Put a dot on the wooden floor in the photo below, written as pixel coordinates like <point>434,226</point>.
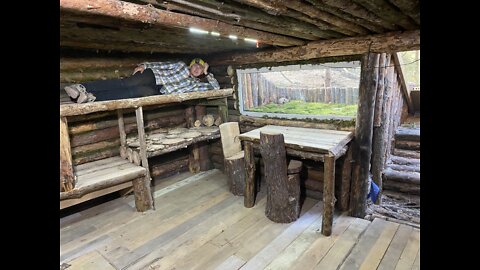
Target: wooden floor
<point>198,224</point>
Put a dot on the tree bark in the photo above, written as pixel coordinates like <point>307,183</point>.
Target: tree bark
<point>249,199</point>
<point>170,167</point>
<point>161,18</point>
<point>141,187</point>
<point>362,145</point>
<point>235,171</point>
<point>379,126</point>
<point>281,206</point>
<point>401,176</point>
<point>109,105</point>
<point>382,43</point>
<point>406,153</point>
<point>67,178</point>
<point>344,188</point>
<point>407,145</point>
<point>328,194</point>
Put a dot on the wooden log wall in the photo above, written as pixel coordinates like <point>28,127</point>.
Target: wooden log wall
<point>96,136</point>
<point>390,110</point>
<point>226,77</point>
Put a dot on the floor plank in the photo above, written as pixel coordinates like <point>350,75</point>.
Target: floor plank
<point>395,249</point>
<point>270,251</point>
<point>378,250</point>
<point>410,252</point>
<point>366,242</point>
<point>288,258</point>
<point>198,224</point>
<point>90,261</point>
<point>339,251</point>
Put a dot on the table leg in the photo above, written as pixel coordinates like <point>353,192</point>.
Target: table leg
<point>328,193</point>
<point>249,199</point>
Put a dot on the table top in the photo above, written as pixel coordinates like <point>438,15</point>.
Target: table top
<point>306,139</point>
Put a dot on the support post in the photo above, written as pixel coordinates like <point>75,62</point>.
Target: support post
<point>328,193</point>
<point>249,200</point>
<point>362,145</point>
<point>141,186</point>
<point>67,178</point>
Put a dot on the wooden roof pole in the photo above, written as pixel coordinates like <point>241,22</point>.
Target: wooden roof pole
<point>388,43</point>
<point>406,92</point>
<point>154,16</point>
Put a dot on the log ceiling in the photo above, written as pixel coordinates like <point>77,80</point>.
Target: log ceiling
<point>163,26</point>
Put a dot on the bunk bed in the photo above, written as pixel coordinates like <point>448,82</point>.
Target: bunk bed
<point>79,183</point>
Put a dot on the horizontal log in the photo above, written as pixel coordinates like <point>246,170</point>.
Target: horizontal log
<point>406,153</point>
<point>100,124</point>
<point>407,134</point>
<point>382,43</point>
<point>101,154</point>
<point>415,225</point>
<point>112,132</point>
<point>358,11</point>
<point>401,176</point>
<point>79,192</point>
<point>90,75</point>
<point>260,122</point>
<point>70,63</point>
<point>407,168</point>
<point>95,147</point>
<point>407,145</point>
<point>405,161</point>
<point>162,18</point>
<point>402,187</point>
<point>86,108</point>
<point>167,168</point>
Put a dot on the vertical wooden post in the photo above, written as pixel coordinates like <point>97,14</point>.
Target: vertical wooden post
<point>194,158</point>
<point>123,134</point>
<point>190,116</point>
<point>344,189</point>
<point>249,200</point>
<point>141,187</point>
<point>67,178</point>
<point>328,193</point>
<point>378,140</point>
<point>204,163</point>
<point>362,145</point>
<point>223,111</point>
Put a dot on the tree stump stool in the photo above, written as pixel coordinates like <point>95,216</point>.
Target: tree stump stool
<point>234,159</point>
<point>283,190</point>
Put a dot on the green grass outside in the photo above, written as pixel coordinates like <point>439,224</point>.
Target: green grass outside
<point>301,107</point>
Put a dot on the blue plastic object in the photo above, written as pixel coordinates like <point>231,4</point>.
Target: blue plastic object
<point>374,190</point>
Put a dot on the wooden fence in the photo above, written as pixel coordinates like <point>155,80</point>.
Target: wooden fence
<point>258,91</point>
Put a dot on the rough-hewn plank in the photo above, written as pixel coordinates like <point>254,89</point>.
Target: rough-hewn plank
<point>86,108</point>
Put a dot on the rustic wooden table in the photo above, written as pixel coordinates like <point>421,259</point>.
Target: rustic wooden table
<point>306,143</point>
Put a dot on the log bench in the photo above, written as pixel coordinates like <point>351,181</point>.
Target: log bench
<point>97,178</point>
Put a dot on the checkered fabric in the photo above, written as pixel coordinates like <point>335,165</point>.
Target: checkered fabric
<point>175,78</point>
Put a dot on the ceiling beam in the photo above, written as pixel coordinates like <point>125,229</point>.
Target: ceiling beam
<point>354,9</point>
<point>390,42</point>
<point>154,16</point>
